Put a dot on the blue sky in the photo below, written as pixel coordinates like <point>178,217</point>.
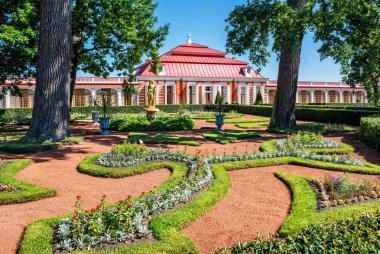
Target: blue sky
<point>205,20</point>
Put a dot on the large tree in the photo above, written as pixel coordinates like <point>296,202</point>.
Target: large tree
<point>107,36</point>
<point>18,42</point>
<point>50,118</point>
<point>253,24</point>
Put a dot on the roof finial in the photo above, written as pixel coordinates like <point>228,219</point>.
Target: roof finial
<point>189,38</point>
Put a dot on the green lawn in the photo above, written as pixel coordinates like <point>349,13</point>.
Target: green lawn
<point>161,138</point>
<point>251,126</point>
<point>227,137</point>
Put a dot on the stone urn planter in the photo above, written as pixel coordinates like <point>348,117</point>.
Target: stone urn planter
<point>95,117</point>
<point>219,121</point>
<point>105,125</point>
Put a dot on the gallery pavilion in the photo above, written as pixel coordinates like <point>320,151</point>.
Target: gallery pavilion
<point>192,73</point>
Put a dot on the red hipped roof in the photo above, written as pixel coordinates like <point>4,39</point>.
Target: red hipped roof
<point>195,60</point>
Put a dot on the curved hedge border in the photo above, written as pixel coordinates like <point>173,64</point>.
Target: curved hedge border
<point>27,192</point>
<point>38,235</point>
<point>270,146</point>
<point>304,206</point>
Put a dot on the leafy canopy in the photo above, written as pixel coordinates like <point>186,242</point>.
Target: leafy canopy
<point>348,30</point>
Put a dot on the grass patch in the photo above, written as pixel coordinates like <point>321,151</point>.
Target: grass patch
<point>5,137</point>
<point>209,115</point>
<point>256,119</point>
<point>270,146</point>
<point>32,147</point>
<point>310,127</point>
<point>166,227</point>
<point>251,126</point>
<point>26,191</point>
<point>161,138</point>
<point>227,137</point>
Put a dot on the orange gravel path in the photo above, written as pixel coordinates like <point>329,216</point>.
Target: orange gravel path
<point>57,170</point>
<point>257,203</point>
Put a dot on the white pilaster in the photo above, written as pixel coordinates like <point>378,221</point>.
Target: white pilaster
<point>119,97</point>
<point>311,96</point>
<point>326,96</point>
<point>93,94</point>
<point>8,99</point>
<point>353,97</point>
<point>239,92</point>
<point>254,94</point>
<point>203,94</point>
<point>229,94</point>
<point>215,89</point>
<point>262,94</point>
<point>340,96</point>
<point>247,90</point>
<point>297,96</point>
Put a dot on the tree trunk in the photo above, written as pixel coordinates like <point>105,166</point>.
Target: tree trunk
<point>50,118</point>
<point>283,113</point>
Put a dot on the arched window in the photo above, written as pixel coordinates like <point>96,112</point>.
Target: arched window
<point>318,96</point>
<point>304,96</point>
<point>332,96</point>
<point>81,98</point>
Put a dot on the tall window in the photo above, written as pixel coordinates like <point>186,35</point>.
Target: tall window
<point>272,94</point>
<point>81,98</point>
<point>318,96</point>
<point>208,95</point>
<point>170,95</point>
<point>243,95</point>
<point>193,95</point>
<point>332,96</point>
<point>304,97</point>
<point>23,101</point>
<point>111,96</point>
<point>346,97</point>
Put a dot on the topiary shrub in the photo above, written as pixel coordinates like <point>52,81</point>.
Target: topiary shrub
<point>259,98</point>
<point>370,131</point>
<point>141,123</point>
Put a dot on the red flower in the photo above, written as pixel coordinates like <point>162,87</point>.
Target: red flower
<point>74,217</point>
<point>104,196</point>
<point>93,210</point>
<point>118,208</point>
<point>79,197</point>
<point>86,211</point>
<point>143,192</point>
<point>121,201</point>
<point>129,196</point>
<point>129,205</point>
<point>155,187</point>
<point>98,206</point>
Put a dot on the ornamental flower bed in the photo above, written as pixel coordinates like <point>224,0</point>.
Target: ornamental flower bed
<point>334,191</point>
<point>119,157</point>
<point>128,220</point>
<point>305,140</point>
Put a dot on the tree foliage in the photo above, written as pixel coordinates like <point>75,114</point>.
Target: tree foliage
<point>348,30</point>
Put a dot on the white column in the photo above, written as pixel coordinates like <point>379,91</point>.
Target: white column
<point>340,96</point>
<point>247,90</point>
<point>326,96</point>
<point>311,96</point>
<point>165,94</point>
<point>228,94</point>
<point>214,92</point>
<point>238,93</point>
<point>196,94</point>
<point>297,96</point>
<point>119,97</point>
<point>365,97</point>
<point>8,99</point>
<point>254,94</point>
<point>203,94</point>
<point>353,97</point>
<point>93,94</point>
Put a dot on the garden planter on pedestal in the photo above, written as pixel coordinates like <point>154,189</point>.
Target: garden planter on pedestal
<point>95,117</point>
<point>219,121</point>
<point>104,125</point>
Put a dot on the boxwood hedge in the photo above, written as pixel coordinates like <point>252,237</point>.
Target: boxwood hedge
<point>370,131</point>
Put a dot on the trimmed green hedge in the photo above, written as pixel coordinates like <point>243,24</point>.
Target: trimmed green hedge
<point>315,114</point>
<point>370,131</point>
<point>26,192</point>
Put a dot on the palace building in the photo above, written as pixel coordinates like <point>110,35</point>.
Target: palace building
<point>192,74</point>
